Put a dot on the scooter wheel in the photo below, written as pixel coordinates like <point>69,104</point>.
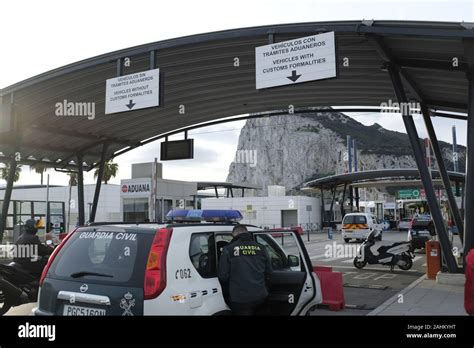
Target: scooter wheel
<point>358,263</point>
<point>4,304</point>
<point>408,263</point>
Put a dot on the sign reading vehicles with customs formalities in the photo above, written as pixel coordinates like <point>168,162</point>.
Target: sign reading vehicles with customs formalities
<point>294,61</point>
<point>131,92</point>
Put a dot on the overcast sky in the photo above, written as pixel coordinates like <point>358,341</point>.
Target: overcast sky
<point>38,36</point>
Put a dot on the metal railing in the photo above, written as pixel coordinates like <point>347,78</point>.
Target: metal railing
<point>309,229</point>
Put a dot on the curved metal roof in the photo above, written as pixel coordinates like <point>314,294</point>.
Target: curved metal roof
<point>395,176</point>
<point>198,72</point>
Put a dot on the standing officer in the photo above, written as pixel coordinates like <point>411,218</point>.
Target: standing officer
<point>245,268</point>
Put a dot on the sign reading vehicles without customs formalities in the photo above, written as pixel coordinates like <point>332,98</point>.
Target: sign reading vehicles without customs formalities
<point>131,92</point>
<point>300,60</point>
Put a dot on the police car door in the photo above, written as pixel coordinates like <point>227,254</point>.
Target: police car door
<point>292,286</point>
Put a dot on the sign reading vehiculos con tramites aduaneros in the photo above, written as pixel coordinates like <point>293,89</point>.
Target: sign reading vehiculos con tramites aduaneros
<point>131,92</point>
<point>300,60</point>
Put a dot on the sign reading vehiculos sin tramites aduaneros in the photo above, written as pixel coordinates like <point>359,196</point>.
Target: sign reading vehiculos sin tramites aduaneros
<point>294,61</point>
<point>131,92</point>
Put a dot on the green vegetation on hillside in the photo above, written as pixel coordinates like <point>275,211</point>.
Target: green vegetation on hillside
<point>372,139</point>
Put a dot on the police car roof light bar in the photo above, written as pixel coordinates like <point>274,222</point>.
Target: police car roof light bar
<point>197,215</point>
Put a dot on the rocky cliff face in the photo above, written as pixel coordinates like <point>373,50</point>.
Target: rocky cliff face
<point>290,150</point>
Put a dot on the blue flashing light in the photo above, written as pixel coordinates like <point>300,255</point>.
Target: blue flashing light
<point>216,215</point>
<point>212,215</point>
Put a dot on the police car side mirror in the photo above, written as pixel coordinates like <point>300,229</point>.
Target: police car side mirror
<point>293,261</point>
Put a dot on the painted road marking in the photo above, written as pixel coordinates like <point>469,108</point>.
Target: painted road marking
<point>348,261</point>
<point>370,286</point>
<point>347,273</point>
<point>364,275</point>
<point>331,259</point>
<point>377,269</point>
<point>386,276</point>
<point>317,256</point>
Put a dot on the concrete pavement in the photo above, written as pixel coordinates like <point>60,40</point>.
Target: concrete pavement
<point>25,309</point>
<point>425,297</point>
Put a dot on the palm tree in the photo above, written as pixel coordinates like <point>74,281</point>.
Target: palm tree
<point>72,182</point>
<point>110,171</point>
<point>4,172</point>
<point>39,168</point>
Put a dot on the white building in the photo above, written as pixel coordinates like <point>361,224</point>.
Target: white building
<point>108,208</point>
<point>135,199</point>
<point>272,211</point>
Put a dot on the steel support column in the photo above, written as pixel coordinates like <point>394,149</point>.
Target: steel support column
<point>323,209</point>
<point>351,198</point>
<point>7,197</point>
<point>80,190</point>
<point>331,210</point>
<point>343,201</point>
<point>423,169</point>
<point>98,184</point>
<point>468,189</point>
<point>356,169</point>
<point>443,172</point>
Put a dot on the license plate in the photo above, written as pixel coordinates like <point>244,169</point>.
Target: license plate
<point>82,311</point>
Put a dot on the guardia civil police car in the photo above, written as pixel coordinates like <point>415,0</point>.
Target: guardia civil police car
<point>168,269</point>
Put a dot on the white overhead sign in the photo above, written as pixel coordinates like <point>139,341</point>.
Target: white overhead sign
<point>131,92</point>
<point>304,59</point>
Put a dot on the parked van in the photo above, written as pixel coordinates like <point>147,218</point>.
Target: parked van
<point>358,226</point>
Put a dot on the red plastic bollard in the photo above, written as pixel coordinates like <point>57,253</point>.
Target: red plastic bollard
<point>332,289</point>
<point>469,284</point>
<point>317,269</point>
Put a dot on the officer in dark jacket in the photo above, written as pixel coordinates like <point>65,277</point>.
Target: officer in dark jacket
<point>245,269</point>
<point>34,264</point>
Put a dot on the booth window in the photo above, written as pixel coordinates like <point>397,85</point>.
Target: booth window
<point>135,209</point>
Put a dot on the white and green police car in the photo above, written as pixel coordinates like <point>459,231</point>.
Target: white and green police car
<point>168,269</point>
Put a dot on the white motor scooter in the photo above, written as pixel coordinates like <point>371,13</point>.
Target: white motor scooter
<point>398,254</point>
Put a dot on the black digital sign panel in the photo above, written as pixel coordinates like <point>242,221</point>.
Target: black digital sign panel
<point>177,150</point>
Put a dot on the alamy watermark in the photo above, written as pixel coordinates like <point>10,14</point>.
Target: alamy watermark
<point>67,108</point>
<point>407,108</point>
<point>22,251</point>
<point>341,251</point>
<point>246,157</point>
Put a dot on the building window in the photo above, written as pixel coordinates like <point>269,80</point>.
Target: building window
<point>135,210</point>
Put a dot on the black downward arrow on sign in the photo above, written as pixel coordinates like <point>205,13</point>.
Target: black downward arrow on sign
<point>293,76</point>
<point>130,105</point>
